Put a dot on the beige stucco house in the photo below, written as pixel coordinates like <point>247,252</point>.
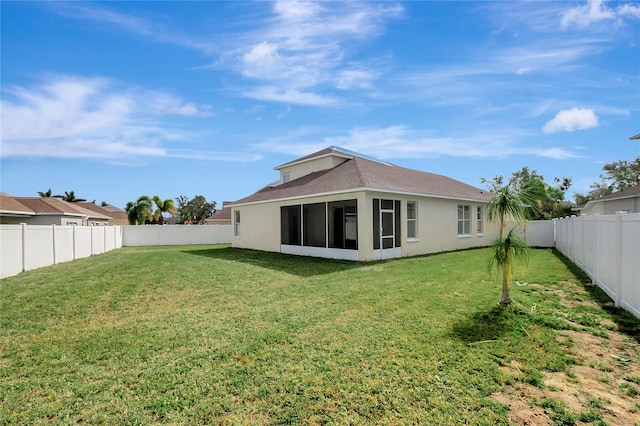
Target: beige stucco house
<point>627,201</point>
<point>12,211</point>
<point>50,211</point>
<point>339,204</point>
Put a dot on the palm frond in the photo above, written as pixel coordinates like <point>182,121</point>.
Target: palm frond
<point>507,250</point>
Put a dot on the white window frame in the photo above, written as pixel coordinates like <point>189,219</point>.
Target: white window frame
<point>479,221</point>
<point>286,177</point>
<point>465,220</point>
<point>236,223</point>
<point>413,220</point>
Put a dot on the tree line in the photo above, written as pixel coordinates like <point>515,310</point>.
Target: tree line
<point>155,210</point>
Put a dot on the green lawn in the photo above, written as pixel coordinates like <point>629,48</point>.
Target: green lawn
<point>215,335</point>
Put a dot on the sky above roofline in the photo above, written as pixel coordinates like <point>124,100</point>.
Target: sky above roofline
<point>114,100</point>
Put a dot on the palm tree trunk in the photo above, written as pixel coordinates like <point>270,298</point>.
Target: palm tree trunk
<point>505,300</point>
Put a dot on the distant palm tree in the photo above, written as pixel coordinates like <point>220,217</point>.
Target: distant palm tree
<point>139,211</point>
<point>45,194</point>
<point>509,205</point>
<point>70,197</point>
<point>163,206</point>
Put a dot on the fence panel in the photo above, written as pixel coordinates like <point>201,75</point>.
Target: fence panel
<point>39,243</point>
<point>540,233</point>
<point>630,271</point>
<point>97,240</point>
<point>607,249</point>
<point>168,235</point>
<point>83,241</point>
<point>64,243</point>
<point>11,250</point>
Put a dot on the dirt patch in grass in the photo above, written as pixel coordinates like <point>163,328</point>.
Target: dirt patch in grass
<point>603,386</point>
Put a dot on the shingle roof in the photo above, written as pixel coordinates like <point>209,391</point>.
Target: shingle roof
<point>362,173</point>
<point>108,211</point>
<point>629,192</point>
<point>57,206</point>
<point>8,204</point>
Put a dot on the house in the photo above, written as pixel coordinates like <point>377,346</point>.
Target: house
<point>340,204</point>
<point>221,217</point>
<point>627,201</point>
<point>116,215</point>
<point>53,211</point>
<point>12,211</point>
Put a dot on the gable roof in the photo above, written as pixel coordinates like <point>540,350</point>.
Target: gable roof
<point>361,173</point>
<point>10,206</point>
<point>632,191</point>
<point>52,205</point>
<point>109,211</point>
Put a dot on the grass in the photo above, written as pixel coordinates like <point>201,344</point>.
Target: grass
<point>210,334</point>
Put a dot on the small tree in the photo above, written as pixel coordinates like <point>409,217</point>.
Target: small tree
<point>139,211</point>
<point>162,206</point>
<point>45,194</point>
<point>195,210</point>
<point>510,204</point>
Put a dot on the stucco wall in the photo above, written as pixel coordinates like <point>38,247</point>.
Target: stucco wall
<point>324,163</point>
<point>437,224</point>
<point>629,205</point>
<point>260,223</point>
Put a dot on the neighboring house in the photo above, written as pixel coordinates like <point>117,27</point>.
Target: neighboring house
<point>221,217</point>
<point>339,204</point>
<point>627,201</point>
<point>12,211</point>
<point>117,216</point>
<point>53,211</point>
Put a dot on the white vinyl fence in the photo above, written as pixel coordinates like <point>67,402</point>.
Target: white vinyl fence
<point>170,235</point>
<point>25,247</point>
<point>607,248</point>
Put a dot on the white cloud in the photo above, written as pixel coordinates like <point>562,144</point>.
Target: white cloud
<point>569,120</point>
<point>290,96</point>
<point>136,25</point>
<point>303,49</point>
<point>595,11</point>
<point>395,142</point>
<point>72,117</point>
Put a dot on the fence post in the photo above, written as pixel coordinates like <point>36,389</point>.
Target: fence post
<point>619,262</point>
<point>53,230</point>
<point>104,242</point>
<point>594,252</point>
<point>24,246</point>
<point>74,242</point>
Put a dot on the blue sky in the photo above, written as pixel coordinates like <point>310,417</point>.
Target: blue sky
<point>114,100</point>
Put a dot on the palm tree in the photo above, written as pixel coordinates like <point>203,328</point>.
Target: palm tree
<point>163,206</point>
<point>509,205</point>
<point>45,194</point>
<point>139,211</point>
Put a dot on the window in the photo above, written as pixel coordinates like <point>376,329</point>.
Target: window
<point>290,225</point>
<point>464,220</point>
<point>331,225</point>
<point>479,222</point>
<point>236,223</point>
<point>286,177</point>
<point>314,218</point>
<point>412,220</point>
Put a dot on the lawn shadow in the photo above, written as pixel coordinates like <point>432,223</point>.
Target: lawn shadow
<point>486,325</point>
<point>303,266</point>
<point>626,322</point>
